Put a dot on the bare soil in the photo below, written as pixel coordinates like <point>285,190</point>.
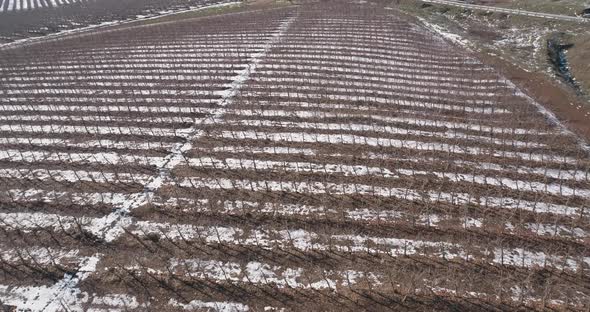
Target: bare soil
<point>560,99</point>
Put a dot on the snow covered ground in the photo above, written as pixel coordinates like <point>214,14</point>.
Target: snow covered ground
<point>246,157</point>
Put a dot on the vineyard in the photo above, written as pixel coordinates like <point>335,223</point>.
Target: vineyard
<point>17,5</point>
<point>27,5</point>
<point>23,19</point>
<point>318,157</point>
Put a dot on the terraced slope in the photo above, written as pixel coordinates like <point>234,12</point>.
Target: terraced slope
<point>322,157</point>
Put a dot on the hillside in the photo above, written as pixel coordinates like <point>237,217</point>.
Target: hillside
<point>327,156</point>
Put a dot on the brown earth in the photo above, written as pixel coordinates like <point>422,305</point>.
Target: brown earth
<point>571,110</point>
<point>577,57</point>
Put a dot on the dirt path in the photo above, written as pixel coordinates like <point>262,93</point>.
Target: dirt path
<point>561,101</point>
<point>509,11</point>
